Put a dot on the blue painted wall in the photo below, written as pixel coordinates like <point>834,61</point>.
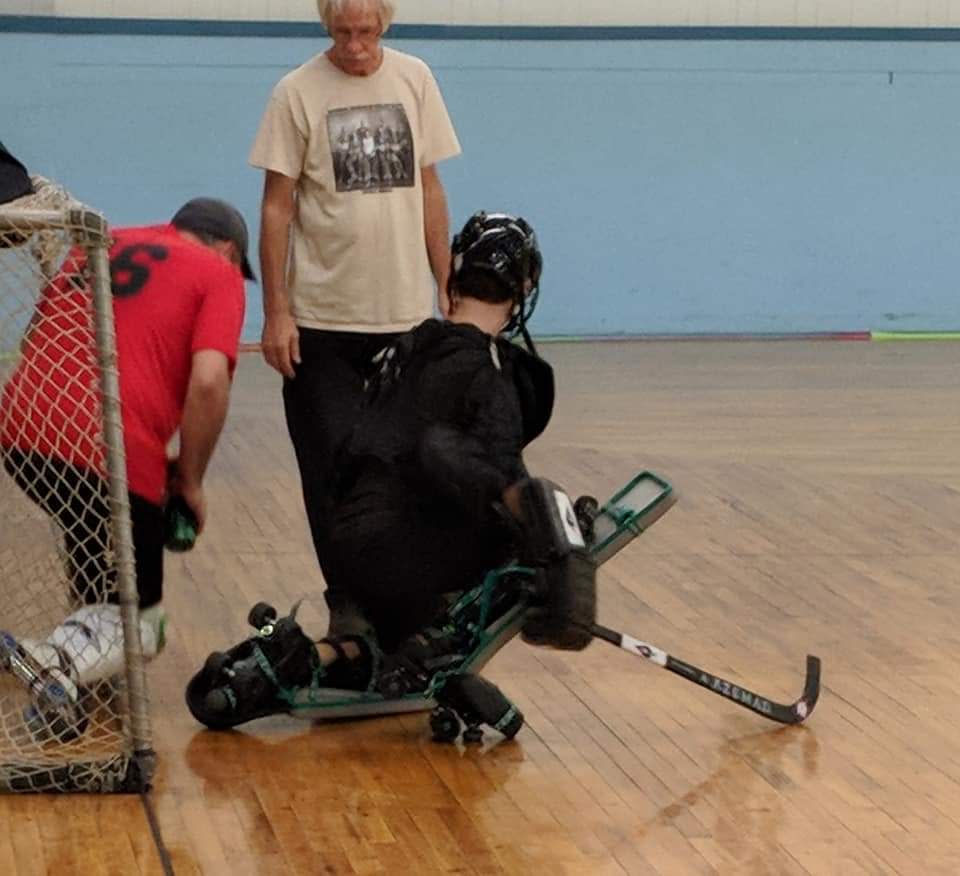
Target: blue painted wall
<point>677,186</point>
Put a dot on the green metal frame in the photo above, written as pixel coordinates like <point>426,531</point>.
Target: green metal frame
<point>629,512</point>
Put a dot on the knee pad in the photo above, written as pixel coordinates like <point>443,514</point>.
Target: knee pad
<point>553,543</point>
<point>254,678</point>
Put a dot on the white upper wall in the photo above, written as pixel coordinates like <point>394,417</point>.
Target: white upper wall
<point>743,13</point>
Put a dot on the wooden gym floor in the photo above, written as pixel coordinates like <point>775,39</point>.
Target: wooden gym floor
<point>819,511</point>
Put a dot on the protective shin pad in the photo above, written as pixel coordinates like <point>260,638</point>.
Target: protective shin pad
<point>554,544</point>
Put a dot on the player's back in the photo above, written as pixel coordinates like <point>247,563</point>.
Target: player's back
<point>171,296</point>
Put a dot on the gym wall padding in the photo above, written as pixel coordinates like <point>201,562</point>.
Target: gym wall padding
<point>678,186</point>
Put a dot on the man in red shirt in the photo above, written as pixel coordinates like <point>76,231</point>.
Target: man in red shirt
<point>178,303</point>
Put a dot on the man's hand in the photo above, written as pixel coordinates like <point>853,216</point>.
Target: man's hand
<point>195,498</point>
<point>280,344</point>
<point>192,494</point>
<point>443,303</point>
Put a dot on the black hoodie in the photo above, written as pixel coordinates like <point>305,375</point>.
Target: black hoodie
<point>449,411</point>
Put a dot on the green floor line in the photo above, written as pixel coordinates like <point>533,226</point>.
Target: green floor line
<point>915,336</point>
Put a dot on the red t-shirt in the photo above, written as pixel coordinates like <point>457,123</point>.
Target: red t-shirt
<point>171,298</point>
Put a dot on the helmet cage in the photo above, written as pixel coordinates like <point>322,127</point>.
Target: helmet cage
<point>504,247</point>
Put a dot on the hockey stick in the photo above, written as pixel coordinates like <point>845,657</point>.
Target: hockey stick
<point>793,713</point>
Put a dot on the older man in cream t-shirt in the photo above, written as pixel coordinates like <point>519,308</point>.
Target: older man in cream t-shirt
<point>354,227</point>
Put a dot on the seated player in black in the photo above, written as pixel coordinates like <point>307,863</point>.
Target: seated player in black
<point>449,410</point>
<point>431,491</point>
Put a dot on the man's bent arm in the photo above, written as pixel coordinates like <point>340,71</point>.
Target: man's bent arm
<point>280,340</point>
<point>436,226</point>
<point>204,413</point>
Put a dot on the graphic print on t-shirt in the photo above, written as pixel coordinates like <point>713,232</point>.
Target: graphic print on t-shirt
<point>372,147</point>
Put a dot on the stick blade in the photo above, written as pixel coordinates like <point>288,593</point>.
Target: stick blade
<point>803,708</point>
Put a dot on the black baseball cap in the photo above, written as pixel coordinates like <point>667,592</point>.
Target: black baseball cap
<point>14,179</point>
<point>219,220</point>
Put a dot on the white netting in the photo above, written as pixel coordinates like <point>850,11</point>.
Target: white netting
<point>58,546</point>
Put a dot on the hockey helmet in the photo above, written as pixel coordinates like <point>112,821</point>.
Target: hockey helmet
<point>502,247</point>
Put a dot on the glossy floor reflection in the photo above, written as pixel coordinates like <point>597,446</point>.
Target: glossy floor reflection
<point>819,511</point>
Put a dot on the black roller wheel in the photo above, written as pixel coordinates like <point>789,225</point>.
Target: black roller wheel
<point>473,735</point>
<point>479,701</point>
<point>586,509</point>
<point>262,614</point>
<point>444,724</point>
<point>510,724</point>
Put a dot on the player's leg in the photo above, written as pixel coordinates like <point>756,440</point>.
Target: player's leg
<point>77,500</point>
<point>322,404</point>
<point>261,675</point>
<point>91,639</point>
<point>88,645</point>
<point>396,558</point>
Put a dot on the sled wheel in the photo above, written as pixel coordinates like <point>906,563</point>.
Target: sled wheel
<point>512,726</point>
<point>586,509</point>
<point>473,735</point>
<point>478,701</point>
<point>444,724</point>
<point>262,614</point>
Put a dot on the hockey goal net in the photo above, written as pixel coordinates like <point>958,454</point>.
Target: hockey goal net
<point>60,403</point>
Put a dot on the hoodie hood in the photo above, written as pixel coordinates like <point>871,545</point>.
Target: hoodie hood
<point>531,375</point>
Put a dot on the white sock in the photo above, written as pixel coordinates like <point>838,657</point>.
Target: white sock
<point>91,641</point>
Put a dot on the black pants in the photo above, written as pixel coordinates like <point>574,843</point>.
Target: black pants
<point>78,500</point>
<point>397,551</point>
<point>322,404</point>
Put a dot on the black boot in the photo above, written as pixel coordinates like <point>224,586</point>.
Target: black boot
<point>254,678</point>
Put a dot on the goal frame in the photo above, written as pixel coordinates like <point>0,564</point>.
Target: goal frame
<point>131,768</point>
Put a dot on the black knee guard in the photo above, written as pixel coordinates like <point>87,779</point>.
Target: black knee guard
<point>552,542</point>
<point>254,678</point>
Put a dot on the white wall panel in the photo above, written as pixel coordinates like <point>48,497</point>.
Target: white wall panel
<point>719,12</point>
<point>771,13</point>
<point>882,12</point>
<point>742,13</point>
<point>839,13</point>
<point>27,7</point>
